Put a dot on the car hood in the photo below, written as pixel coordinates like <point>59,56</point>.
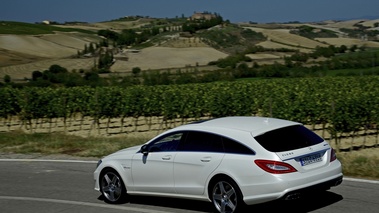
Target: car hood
<point>126,151</point>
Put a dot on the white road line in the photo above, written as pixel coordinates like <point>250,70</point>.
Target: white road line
<point>126,208</point>
<point>47,160</point>
<point>361,180</point>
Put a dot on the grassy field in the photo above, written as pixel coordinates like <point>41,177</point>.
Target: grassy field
<point>49,144</point>
<point>360,164</point>
<point>27,47</point>
<point>21,28</point>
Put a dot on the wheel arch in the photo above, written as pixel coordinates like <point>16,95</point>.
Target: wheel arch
<point>117,170</point>
<point>225,199</point>
<point>221,176</point>
<point>115,193</point>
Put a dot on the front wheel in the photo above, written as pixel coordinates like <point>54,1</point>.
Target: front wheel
<point>226,196</point>
<point>112,187</point>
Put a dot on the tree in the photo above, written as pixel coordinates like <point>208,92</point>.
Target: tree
<point>136,71</point>
<point>91,48</point>
<point>73,79</point>
<point>241,71</point>
<point>105,61</point>
<point>55,69</point>
<point>7,79</point>
<point>91,76</point>
<point>108,34</point>
<point>343,49</point>
<point>127,37</point>
<point>353,48</point>
<point>36,74</point>
<point>85,51</point>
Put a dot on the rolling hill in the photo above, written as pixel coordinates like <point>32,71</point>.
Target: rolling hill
<point>23,53</point>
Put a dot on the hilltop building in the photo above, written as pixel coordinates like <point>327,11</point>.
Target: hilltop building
<point>205,15</point>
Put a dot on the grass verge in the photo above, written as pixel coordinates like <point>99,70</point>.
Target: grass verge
<point>359,164</point>
<point>18,142</point>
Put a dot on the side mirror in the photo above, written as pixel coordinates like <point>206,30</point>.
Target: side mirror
<point>144,150</point>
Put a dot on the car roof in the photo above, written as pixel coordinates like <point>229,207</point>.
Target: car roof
<point>254,125</point>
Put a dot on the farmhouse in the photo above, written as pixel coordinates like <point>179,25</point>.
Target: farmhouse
<point>206,16</point>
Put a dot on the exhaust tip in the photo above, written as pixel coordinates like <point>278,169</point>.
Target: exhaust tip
<point>293,196</point>
<point>338,182</point>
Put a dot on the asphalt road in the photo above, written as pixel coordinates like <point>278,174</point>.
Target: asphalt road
<point>67,187</point>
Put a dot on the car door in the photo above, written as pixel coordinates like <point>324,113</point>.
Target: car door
<point>153,171</point>
<point>198,156</point>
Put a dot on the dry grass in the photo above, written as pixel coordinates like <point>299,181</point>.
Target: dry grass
<point>362,163</point>
<point>284,37</point>
<point>48,144</point>
<point>167,57</point>
<point>24,70</point>
<point>343,41</point>
<point>20,55</point>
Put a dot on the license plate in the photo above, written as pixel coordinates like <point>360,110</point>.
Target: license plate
<point>311,159</point>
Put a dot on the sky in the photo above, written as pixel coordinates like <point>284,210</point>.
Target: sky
<point>261,11</point>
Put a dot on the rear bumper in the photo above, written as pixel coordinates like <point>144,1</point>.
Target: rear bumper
<point>311,189</point>
<point>290,186</point>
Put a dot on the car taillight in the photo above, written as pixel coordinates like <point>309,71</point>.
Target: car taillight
<point>333,155</point>
<point>275,167</point>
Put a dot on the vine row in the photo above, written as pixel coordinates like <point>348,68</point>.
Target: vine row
<point>342,105</point>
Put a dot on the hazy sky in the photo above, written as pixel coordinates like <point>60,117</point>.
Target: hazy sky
<point>262,11</point>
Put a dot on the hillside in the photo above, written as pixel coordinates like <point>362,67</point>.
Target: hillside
<point>21,54</point>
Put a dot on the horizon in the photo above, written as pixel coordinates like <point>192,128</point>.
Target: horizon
<point>269,11</point>
<point>147,16</point>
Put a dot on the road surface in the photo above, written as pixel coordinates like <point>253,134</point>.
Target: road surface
<point>66,186</point>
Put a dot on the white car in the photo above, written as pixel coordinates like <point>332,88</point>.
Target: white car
<point>230,161</point>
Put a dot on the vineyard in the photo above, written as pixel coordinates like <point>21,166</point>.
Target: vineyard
<point>343,110</point>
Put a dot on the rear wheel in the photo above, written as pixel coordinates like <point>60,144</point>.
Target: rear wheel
<point>112,187</point>
<point>226,196</point>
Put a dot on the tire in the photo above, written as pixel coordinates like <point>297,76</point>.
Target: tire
<point>112,187</point>
<point>226,196</point>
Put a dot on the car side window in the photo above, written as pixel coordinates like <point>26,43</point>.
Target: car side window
<point>234,147</point>
<point>202,142</point>
<point>166,143</point>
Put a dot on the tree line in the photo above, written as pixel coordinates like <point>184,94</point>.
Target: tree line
<point>233,67</point>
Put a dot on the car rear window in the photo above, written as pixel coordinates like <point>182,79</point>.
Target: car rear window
<point>288,138</point>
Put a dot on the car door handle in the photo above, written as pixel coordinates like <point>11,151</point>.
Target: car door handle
<point>206,159</point>
<point>167,157</point>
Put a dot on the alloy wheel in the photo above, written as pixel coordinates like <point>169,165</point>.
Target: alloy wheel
<point>224,197</point>
<point>112,186</point>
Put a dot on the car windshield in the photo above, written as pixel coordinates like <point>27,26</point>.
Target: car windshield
<point>288,138</point>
